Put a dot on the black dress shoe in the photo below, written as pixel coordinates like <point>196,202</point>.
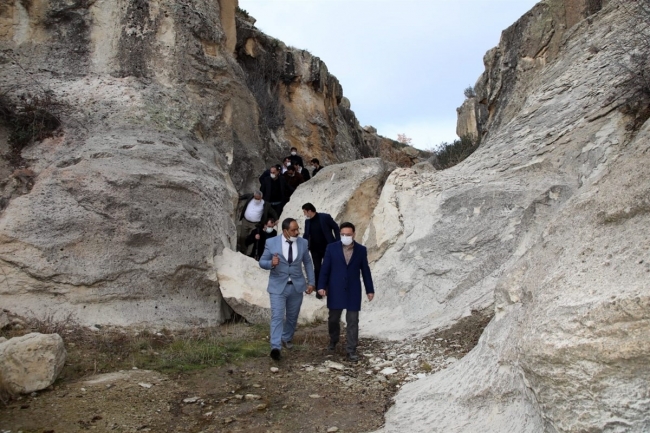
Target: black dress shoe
<point>275,354</point>
<point>331,347</point>
<point>353,357</point>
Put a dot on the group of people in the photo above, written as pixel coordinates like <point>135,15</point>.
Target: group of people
<point>334,270</point>
<point>328,253</point>
<point>262,209</point>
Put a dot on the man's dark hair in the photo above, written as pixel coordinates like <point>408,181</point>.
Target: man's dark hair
<point>286,223</point>
<point>347,226</point>
<point>288,158</point>
<point>309,207</point>
<point>270,219</point>
<point>293,148</point>
<point>315,161</point>
<point>291,168</point>
<point>278,166</point>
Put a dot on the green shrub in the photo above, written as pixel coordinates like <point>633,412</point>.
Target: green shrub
<point>449,154</point>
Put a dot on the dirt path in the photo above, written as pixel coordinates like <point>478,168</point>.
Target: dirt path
<point>311,391</point>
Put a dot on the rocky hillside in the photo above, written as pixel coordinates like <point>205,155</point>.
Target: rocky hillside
<point>546,225</point>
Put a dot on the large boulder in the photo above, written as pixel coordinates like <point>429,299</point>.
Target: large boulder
<point>31,362</point>
<point>347,191</point>
<point>568,348</point>
<point>243,286</point>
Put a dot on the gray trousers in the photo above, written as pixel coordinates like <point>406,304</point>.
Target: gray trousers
<point>351,329</point>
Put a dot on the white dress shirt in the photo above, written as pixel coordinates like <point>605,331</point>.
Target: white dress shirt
<point>285,249</point>
<point>254,211</point>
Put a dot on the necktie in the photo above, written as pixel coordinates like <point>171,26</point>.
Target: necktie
<point>290,259</point>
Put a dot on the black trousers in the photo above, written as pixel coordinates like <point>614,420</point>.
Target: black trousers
<point>317,257</point>
<point>351,329</point>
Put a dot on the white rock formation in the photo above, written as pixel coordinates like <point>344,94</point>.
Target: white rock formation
<point>562,253</point>
<point>243,286</point>
<point>31,362</point>
<point>348,192</point>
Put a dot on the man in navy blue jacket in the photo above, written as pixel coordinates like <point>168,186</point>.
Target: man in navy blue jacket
<point>340,281</point>
<point>320,231</point>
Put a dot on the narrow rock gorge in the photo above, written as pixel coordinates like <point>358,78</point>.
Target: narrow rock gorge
<point>153,116</point>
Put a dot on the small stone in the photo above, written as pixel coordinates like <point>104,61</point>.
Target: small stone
<point>310,368</point>
<point>388,371</point>
<point>252,397</point>
<point>257,385</point>
<point>239,396</point>
<point>334,365</point>
<point>145,385</point>
<point>274,369</point>
<point>314,396</point>
<point>332,430</point>
<point>191,400</point>
<point>83,389</point>
<point>261,406</point>
<point>134,368</point>
<point>207,414</point>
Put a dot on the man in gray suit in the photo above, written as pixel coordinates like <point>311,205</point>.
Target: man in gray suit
<point>285,255</point>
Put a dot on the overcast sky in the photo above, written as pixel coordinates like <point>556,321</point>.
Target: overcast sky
<point>403,64</point>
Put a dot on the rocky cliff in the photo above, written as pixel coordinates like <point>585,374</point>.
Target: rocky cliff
<point>128,129</point>
<point>546,224</point>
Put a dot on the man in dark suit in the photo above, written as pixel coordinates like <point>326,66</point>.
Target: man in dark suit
<point>276,191</point>
<point>344,263</point>
<point>320,231</point>
<point>286,256</point>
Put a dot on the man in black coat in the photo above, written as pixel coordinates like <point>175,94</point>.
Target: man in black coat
<point>258,236</point>
<point>320,231</point>
<point>295,158</point>
<point>317,167</point>
<point>276,191</point>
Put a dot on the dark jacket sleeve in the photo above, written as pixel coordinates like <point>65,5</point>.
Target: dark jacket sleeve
<point>335,227</point>
<point>305,174</point>
<point>365,272</point>
<point>243,210</point>
<point>305,235</point>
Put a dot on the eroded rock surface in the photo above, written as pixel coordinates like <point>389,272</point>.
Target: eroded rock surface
<point>563,257</point>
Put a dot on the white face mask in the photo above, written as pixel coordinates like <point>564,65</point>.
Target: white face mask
<point>293,238</point>
<point>346,240</point>
<point>268,229</point>
<point>257,201</point>
<point>289,164</point>
<point>294,153</point>
<point>307,217</point>
<point>272,176</point>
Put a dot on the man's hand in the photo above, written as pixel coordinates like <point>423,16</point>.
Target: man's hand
<point>257,237</point>
<point>322,292</point>
<point>370,296</point>
<point>310,289</point>
<point>275,260</point>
